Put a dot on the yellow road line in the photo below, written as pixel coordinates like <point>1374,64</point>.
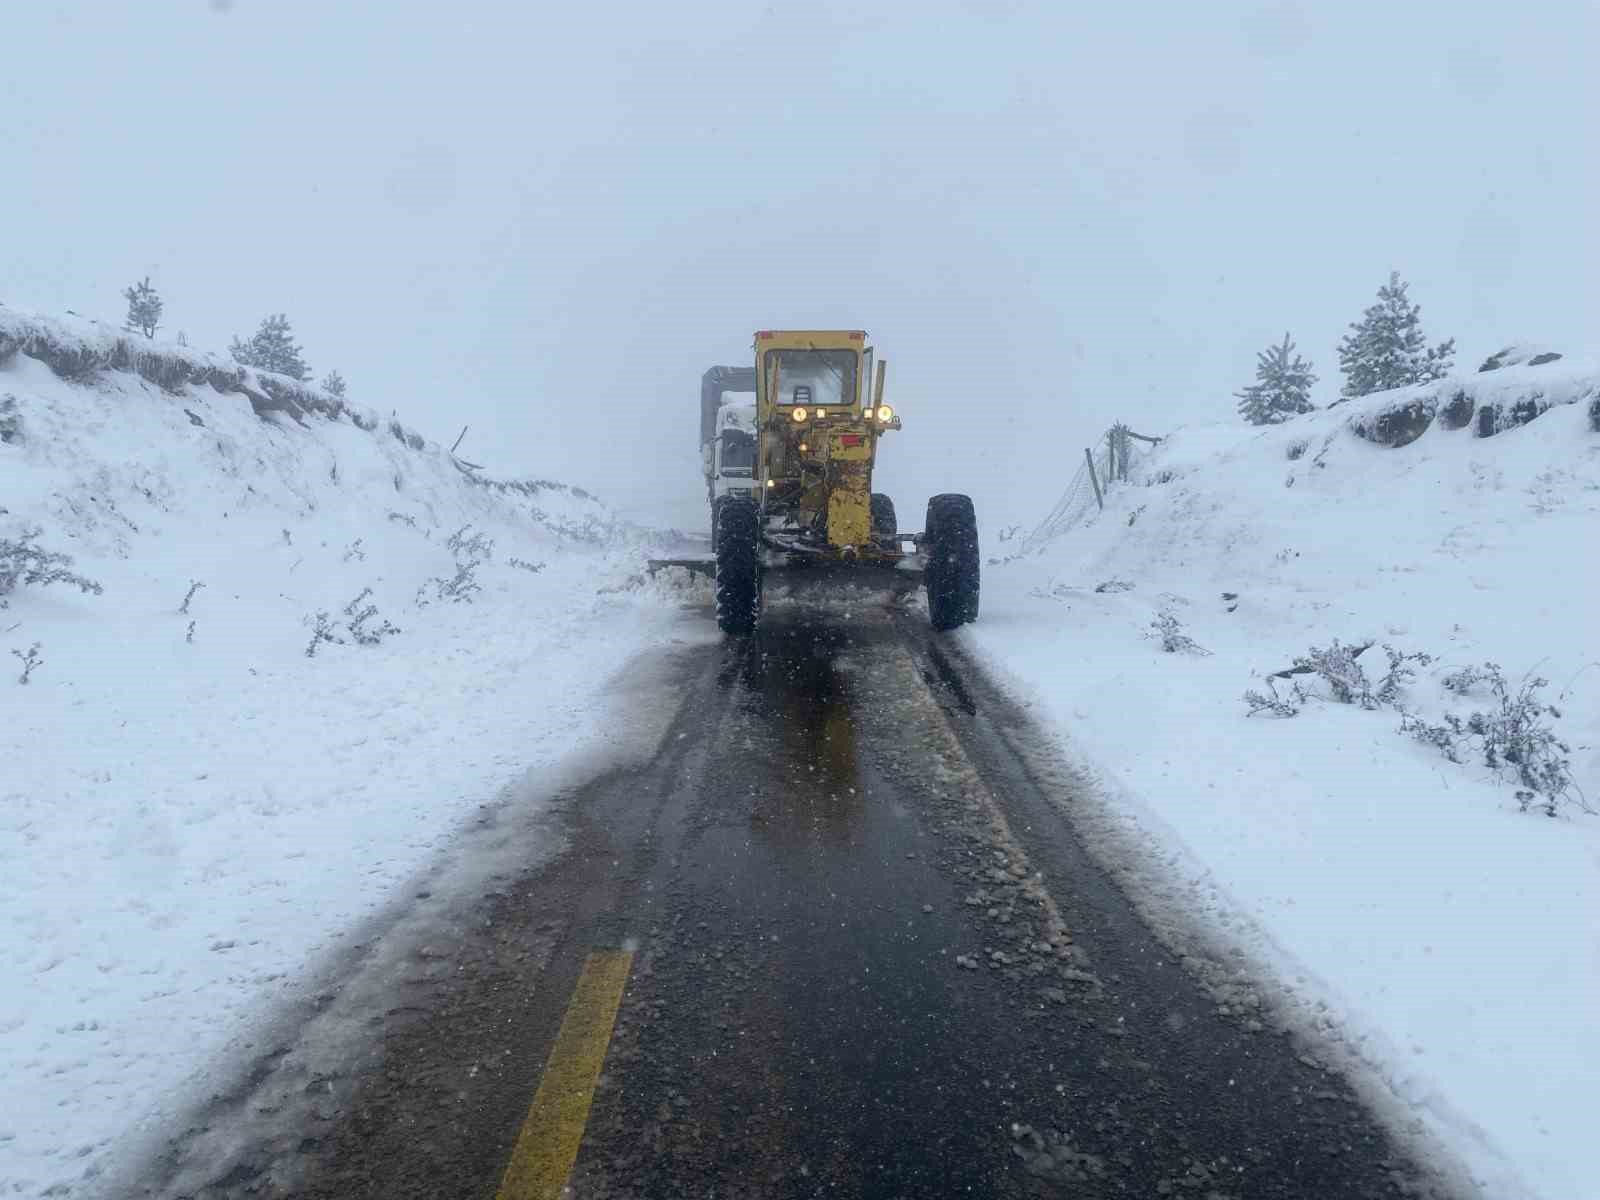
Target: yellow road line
<point>548,1144</point>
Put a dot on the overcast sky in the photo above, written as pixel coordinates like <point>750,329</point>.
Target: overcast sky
<point>547,220</point>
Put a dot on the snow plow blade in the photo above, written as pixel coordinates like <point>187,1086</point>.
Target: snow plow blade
<point>695,566</point>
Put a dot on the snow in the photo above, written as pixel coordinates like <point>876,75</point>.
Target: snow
<point>185,827</point>
<point>1450,940</point>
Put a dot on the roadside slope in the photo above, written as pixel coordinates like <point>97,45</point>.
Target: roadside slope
<point>196,804</point>
<point>1406,901</point>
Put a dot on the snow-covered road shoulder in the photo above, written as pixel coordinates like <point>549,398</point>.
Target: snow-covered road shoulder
<point>1408,901</point>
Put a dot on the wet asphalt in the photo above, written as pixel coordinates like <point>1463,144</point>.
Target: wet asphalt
<point>872,959</point>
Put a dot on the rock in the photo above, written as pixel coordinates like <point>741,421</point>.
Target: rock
<point>927,908</point>
<point>1519,353</point>
<point>1398,425</point>
<point>1458,410</point>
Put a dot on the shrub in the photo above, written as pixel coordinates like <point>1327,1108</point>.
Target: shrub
<point>1515,737</point>
<point>359,614</point>
<point>1270,702</point>
<point>22,561</point>
<point>30,662</point>
<point>1173,640</point>
<point>322,632</point>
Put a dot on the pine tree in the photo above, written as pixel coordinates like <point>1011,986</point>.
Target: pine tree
<point>272,348</point>
<point>144,308</point>
<point>1282,388</point>
<point>333,384</point>
<point>1386,348</point>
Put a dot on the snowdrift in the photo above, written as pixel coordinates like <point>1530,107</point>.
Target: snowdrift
<point>318,650</point>
<point>1411,904</point>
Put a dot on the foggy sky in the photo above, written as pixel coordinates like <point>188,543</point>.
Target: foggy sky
<point>546,221</point>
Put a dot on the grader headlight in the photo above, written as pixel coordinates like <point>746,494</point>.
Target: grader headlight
<point>885,414</point>
<point>799,416</point>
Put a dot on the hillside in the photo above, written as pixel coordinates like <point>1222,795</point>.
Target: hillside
<point>1415,905</point>
<point>199,795</point>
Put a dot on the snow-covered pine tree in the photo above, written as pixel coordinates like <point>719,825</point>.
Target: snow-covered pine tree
<point>333,384</point>
<point>272,348</point>
<point>144,308</point>
<point>1282,388</point>
<point>1386,348</point>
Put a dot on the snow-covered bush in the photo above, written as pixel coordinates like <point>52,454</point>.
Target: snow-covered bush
<point>1463,680</point>
<point>30,661</point>
<point>359,614</point>
<point>478,547</point>
<point>23,561</point>
<point>1402,670</point>
<point>523,564</point>
<point>1337,668</point>
<point>194,586</point>
<point>1270,702</point>
<point>1344,679</point>
<point>470,553</point>
<point>1515,736</point>
<point>322,631</point>
<point>1173,640</point>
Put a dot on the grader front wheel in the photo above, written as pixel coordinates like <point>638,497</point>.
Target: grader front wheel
<point>951,544</point>
<point>738,566</point>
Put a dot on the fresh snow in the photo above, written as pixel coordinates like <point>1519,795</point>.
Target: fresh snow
<point>185,827</point>
<point>1450,940</point>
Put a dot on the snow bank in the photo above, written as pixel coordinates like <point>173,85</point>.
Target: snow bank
<point>192,809</point>
<point>1450,939</point>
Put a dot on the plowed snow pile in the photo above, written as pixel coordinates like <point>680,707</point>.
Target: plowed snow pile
<point>1450,937</point>
<point>193,804</point>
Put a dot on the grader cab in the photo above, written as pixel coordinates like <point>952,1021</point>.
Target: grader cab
<point>820,417</point>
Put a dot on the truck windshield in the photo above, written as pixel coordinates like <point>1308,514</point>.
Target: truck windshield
<point>816,378</point>
<point>738,452</point>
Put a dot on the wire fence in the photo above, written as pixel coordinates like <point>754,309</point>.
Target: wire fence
<point>1120,453</point>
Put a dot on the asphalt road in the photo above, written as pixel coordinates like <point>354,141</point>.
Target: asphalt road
<point>857,951</point>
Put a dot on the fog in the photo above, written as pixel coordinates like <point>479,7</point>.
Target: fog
<point>546,221</point>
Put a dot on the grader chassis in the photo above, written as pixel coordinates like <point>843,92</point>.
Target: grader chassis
<point>820,415</point>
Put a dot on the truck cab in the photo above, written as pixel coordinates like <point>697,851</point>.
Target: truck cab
<point>730,457</point>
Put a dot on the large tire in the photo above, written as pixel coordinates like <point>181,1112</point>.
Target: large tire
<point>884,524</point>
<point>951,538</point>
<point>738,565</point>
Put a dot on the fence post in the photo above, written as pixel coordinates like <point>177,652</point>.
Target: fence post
<point>1088,457</point>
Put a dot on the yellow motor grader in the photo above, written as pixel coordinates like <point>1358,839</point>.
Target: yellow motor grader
<point>809,506</point>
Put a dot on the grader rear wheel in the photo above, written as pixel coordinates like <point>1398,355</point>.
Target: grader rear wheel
<point>884,524</point>
<point>951,539</point>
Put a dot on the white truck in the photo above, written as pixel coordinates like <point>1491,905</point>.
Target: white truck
<point>728,436</point>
